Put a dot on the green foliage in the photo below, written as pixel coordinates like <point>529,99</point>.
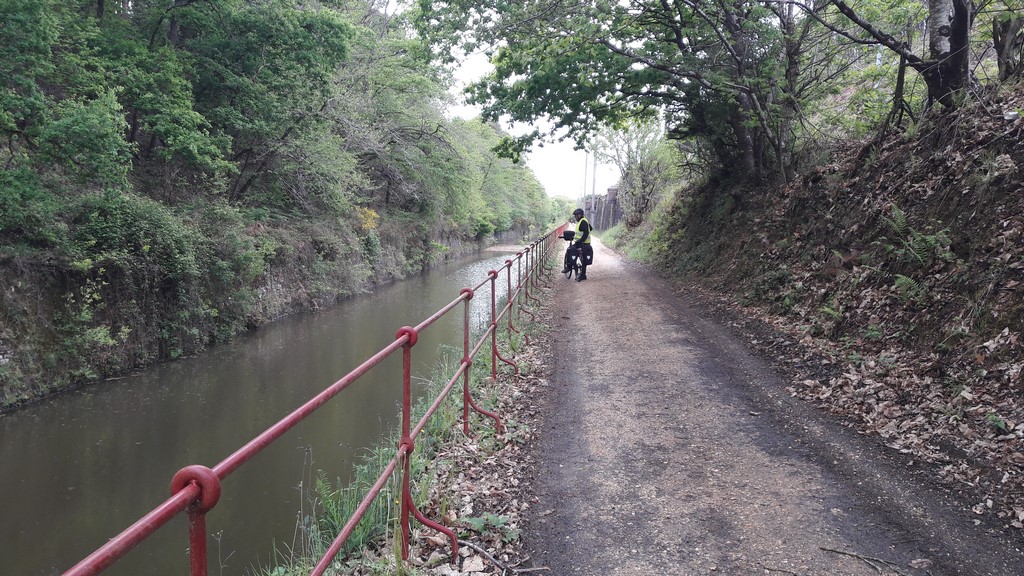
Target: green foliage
<point>833,311</point>
<point>135,264</point>
<point>89,347</point>
<point>613,237</point>
<point>340,503</point>
<point>258,64</point>
<point>319,174</point>
<point>117,229</point>
<point>490,522</point>
<point>873,332</point>
<point>483,228</point>
<point>260,74</point>
<point>27,212</point>
<point>333,503</point>
<point>372,246</point>
<point>27,34</point>
<point>897,221</point>
<point>774,286</point>
<point>585,66</point>
<point>160,99</point>
<point>647,163</point>
<point>86,138</point>
<point>996,423</point>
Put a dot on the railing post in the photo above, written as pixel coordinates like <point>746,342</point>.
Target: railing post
<point>519,273</point>
<point>209,493</point>
<point>509,296</point>
<point>510,309</point>
<point>538,255</point>
<point>406,440</point>
<point>532,253</point>
<point>197,561</point>
<point>529,282</point>
<point>525,283</point>
<point>406,447</point>
<point>466,361</point>
<point>545,260</point>
<point>530,278</point>
<point>526,290</point>
<point>493,275</point>
<point>539,262</point>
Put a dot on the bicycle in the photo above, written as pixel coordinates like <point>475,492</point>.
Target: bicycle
<point>571,264</point>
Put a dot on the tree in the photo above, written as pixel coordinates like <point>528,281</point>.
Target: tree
<point>726,72</point>
<point>264,72</point>
<point>946,70</point>
<point>1008,42</point>
<point>647,162</point>
<point>27,36</point>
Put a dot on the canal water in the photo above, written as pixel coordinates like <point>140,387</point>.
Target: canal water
<point>81,467</point>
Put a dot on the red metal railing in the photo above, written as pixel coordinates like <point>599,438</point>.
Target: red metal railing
<point>196,489</point>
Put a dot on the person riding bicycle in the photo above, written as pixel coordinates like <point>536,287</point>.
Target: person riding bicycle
<point>581,247</point>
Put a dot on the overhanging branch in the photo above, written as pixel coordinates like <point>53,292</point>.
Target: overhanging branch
<point>814,14</point>
<point>884,39</point>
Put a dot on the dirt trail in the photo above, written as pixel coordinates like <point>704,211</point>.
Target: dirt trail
<point>669,449</point>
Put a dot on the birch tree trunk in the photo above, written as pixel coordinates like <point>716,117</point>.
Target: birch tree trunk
<point>940,19</point>
<point>947,71</point>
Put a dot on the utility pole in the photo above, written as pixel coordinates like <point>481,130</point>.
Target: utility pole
<point>583,197</point>
<point>593,191</point>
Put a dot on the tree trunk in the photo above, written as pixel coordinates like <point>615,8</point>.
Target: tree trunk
<point>744,138</point>
<point>790,102</point>
<point>133,125</point>
<point>940,24</point>
<point>173,32</point>
<point>947,71</point>
<point>1008,42</point>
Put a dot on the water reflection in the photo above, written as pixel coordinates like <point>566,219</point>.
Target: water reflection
<point>84,466</point>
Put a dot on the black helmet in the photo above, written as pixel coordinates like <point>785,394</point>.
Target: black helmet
<point>578,211</point>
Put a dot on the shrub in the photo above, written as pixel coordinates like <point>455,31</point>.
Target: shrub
<point>27,212</point>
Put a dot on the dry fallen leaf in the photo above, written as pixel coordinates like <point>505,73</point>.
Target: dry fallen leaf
<point>437,540</point>
<point>473,564</point>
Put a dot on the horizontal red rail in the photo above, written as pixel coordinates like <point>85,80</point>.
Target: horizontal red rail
<point>196,489</point>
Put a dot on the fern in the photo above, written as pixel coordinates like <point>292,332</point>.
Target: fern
<point>919,246</point>
<point>907,288</point>
<point>915,246</point>
<point>832,310</point>
<point>898,222</point>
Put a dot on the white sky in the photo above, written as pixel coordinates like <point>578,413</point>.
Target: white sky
<point>560,169</point>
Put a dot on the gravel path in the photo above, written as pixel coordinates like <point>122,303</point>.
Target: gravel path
<point>668,448</point>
